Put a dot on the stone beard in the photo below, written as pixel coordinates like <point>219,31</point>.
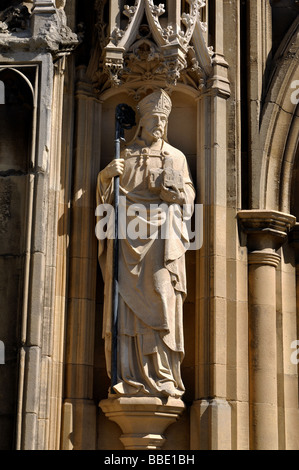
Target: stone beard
<point>152,274</point>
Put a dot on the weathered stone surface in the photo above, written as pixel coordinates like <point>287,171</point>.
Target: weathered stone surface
<point>235,117</point>
<point>16,17</point>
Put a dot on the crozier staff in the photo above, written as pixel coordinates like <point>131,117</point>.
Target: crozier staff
<point>152,275</point>
<point>124,119</point>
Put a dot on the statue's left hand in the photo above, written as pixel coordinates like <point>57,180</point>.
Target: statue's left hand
<point>172,195</point>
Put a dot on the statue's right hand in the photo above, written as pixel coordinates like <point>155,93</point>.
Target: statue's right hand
<point>115,168</point>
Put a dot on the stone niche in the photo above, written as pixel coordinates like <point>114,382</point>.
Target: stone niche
<point>16,112</point>
<point>182,135</point>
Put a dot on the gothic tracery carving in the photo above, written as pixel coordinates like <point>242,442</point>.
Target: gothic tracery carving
<point>160,50</point>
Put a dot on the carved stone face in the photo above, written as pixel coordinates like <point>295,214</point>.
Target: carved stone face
<point>154,125</point>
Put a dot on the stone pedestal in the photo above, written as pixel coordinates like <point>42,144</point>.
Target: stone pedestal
<point>143,420</point>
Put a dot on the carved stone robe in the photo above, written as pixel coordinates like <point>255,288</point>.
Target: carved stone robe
<point>152,282</point>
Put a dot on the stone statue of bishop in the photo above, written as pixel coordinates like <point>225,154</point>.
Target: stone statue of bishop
<point>152,274</point>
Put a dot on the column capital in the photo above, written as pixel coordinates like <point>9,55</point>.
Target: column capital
<point>265,229</point>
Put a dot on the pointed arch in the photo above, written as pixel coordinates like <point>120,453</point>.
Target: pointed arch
<point>280,127</point>
<point>16,113</point>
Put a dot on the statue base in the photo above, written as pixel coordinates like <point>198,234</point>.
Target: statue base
<point>143,420</point>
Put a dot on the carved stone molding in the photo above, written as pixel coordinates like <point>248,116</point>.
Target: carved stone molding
<point>49,27</point>
<point>44,6</point>
<point>266,258</point>
<point>265,229</point>
<point>161,49</point>
<point>44,29</point>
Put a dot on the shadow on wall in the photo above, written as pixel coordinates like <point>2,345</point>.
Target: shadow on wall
<point>16,112</point>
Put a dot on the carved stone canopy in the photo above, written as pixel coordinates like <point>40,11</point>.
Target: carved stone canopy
<point>151,42</point>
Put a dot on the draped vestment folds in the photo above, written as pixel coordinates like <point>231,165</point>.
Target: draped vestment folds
<point>152,279</point>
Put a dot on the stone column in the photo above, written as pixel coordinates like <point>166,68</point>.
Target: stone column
<point>295,243</point>
<point>294,240</point>
<point>37,278</point>
<point>266,232</point>
<point>211,412</point>
<point>79,410</point>
<point>50,330</point>
<point>65,97</point>
<point>287,335</point>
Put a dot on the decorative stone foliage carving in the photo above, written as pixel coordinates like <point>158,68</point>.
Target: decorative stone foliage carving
<point>160,50</point>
